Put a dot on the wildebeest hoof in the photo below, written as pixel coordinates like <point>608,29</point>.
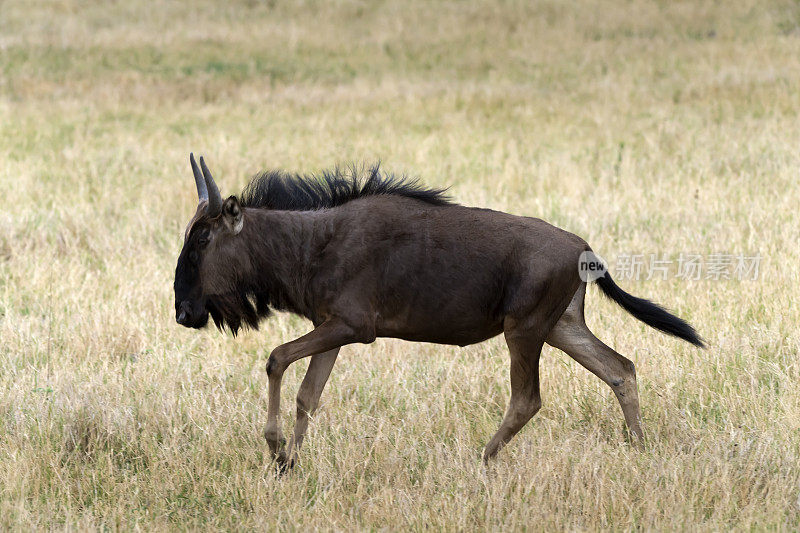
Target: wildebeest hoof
<point>284,463</point>
<point>276,445</point>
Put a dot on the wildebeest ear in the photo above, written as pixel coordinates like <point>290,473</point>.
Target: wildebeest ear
<point>232,215</point>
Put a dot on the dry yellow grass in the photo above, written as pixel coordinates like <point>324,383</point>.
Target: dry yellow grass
<point>652,127</point>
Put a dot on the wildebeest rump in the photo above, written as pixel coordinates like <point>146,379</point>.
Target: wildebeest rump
<point>379,256</point>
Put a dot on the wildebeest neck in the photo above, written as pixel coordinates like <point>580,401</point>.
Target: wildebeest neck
<point>271,264</point>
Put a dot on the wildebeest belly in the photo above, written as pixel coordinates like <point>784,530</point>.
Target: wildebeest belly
<point>455,334</point>
<point>445,305</point>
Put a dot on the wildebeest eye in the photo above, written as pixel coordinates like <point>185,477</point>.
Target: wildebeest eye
<point>202,241</point>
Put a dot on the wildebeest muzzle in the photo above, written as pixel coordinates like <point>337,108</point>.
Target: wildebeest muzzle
<point>191,314</point>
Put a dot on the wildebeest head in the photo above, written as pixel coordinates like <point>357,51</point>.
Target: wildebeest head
<point>204,274</point>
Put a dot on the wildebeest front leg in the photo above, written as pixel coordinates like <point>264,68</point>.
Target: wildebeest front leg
<point>319,369</point>
<point>328,336</point>
<point>272,432</point>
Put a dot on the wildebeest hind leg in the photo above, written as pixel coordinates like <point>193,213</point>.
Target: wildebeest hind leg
<point>571,335</point>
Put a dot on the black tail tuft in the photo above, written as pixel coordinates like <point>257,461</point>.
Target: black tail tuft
<point>651,314</point>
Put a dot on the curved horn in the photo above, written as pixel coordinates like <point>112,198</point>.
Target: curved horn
<point>202,190</point>
<point>214,197</point>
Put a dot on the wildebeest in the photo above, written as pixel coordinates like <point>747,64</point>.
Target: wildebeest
<point>375,255</point>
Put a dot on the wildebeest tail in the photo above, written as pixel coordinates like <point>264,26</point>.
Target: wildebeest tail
<point>648,312</point>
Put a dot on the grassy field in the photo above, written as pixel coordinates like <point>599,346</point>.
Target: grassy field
<point>644,127</point>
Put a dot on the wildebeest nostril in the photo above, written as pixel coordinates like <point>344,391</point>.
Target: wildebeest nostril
<point>184,313</point>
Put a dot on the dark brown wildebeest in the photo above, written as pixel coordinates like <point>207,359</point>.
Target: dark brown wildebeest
<point>379,256</point>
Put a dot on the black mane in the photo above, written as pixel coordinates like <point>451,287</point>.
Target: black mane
<point>276,189</point>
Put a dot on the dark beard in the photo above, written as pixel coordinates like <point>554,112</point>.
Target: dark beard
<point>238,309</point>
